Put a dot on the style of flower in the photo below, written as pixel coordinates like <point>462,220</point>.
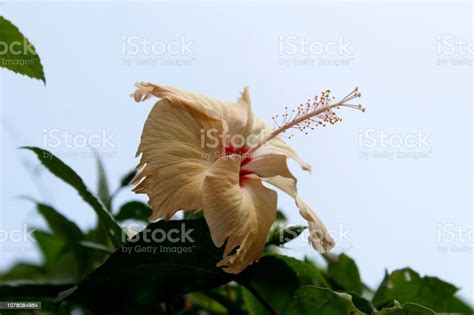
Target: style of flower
<point>180,170</point>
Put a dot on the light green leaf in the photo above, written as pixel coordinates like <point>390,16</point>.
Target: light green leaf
<point>406,309</point>
<point>344,272</point>
<point>19,55</point>
<point>64,172</point>
<point>407,286</point>
<point>103,191</point>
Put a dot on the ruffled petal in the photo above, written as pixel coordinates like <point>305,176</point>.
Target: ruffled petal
<point>319,235</point>
<point>239,116</point>
<point>238,214</point>
<point>173,160</point>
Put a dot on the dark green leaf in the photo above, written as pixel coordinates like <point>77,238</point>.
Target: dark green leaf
<point>406,285</point>
<point>307,272</point>
<point>344,272</point>
<point>362,304</point>
<point>64,172</point>
<point>61,226</point>
<point>281,235</point>
<point>148,270</point>
<point>274,280</point>
<point>23,271</point>
<point>127,178</point>
<point>280,217</point>
<point>31,289</point>
<point>136,210</point>
<point>21,56</point>
<point>310,300</point>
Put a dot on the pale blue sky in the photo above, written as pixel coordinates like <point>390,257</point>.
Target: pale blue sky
<point>392,209</point>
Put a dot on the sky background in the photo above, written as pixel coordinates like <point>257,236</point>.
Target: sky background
<point>394,183</point>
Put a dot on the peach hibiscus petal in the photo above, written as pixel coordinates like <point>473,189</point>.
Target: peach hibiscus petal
<point>239,213</point>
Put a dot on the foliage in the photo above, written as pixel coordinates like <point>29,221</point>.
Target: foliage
<point>18,54</point>
<point>170,268</point>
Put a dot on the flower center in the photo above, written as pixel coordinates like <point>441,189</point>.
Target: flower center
<point>229,149</point>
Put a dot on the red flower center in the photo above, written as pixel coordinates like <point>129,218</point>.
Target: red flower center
<point>229,149</point>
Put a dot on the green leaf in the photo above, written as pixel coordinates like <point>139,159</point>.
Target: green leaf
<point>31,289</point>
<point>280,217</point>
<point>23,271</point>
<point>61,226</point>
<point>307,272</point>
<point>274,281</point>
<point>21,56</point>
<point>148,270</point>
<point>406,309</point>
<point>406,285</point>
<point>103,191</point>
<point>279,235</point>
<point>362,304</point>
<point>344,272</point>
<point>127,178</point>
<point>64,172</point>
<point>136,210</point>
<point>310,300</point>
<point>49,245</point>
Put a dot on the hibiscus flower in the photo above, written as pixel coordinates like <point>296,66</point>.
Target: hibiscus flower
<point>202,154</point>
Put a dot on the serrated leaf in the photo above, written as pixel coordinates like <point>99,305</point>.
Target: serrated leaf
<point>135,210</point>
<point>146,271</point>
<point>407,286</point>
<point>64,172</point>
<point>18,54</point>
